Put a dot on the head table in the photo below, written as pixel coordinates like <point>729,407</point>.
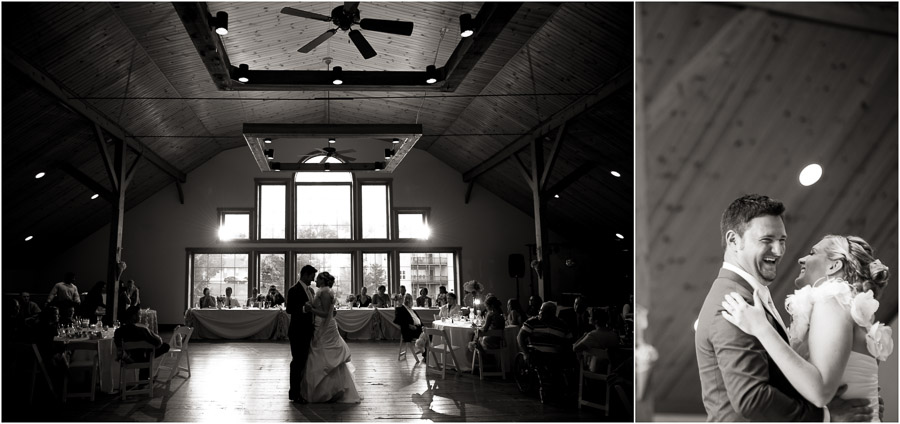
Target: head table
<point>376,323</point>
<point>238,323</point>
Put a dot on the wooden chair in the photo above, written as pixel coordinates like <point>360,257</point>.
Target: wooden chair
<point>125,368</point>
<point>602,358</point>
<point>27,354</point>
<point>91,364</point>
<point>499,353</point>
<point>178,347</point>
<point>406,347</point>
<point>442,347</point>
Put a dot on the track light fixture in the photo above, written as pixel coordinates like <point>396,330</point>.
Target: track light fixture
<point>388,153</point>
<point>466,25</point>
<point>431,74</point>
<point>379,166</point>
<point>270,153</point>
<point>327,167</point>
<point>243,73</point>
<point>395,141</point>
<point>267,140</point>
<point>336,75</point>
<point>275,166</point>
<point>331,140</point>
<point>219,22</point>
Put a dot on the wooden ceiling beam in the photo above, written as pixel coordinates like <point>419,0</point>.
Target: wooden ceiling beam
<point>195,18</point>
<point>88,111</point>
<point>623,78</point>
<point>554,152</point>
<point>87,181</point>
<point>872,17</point>
<point>566,181</point>
<point>287,80</point>
<point>319,167</point>
<point>104,154</point>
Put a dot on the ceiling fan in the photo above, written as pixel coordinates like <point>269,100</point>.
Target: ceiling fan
<point>329,152</point>
<point>345,16</point>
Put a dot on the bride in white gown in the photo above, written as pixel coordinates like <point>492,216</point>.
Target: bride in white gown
<point>329,373</point>
<point>834,338</point>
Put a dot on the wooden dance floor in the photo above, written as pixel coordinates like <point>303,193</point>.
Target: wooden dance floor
<point>248,381</point>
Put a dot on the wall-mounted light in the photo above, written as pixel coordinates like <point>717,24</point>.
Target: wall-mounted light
<point>39,175</point>
<point>267,140</point>
<point>337,77</point>
<point>243,73</point>
<point>95,196</point>
<point>270,153</point>
<point>466,25</point>
<point>431,74</point>
<point>220,23</point>
<point>388,153</point>
<point>331,140</point>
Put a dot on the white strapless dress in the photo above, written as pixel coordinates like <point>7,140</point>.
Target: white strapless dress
<point>329,373</point>
<point>861,378</point>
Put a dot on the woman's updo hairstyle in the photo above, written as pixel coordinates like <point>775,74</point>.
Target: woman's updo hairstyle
<point>329,279</point>
<point>861,269</point>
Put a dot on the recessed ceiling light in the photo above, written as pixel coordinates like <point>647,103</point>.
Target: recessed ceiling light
<point>39,175</point>
<point>267,140</point>
<point>615,174</point>
<point>811,174</point>
<point>395,141</point>
<point>29,238</point>
<point>331,140</point>
<point>95,196</point>
<point>620,236</point>
<point>556,196</point>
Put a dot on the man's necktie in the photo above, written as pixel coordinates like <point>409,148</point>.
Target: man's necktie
<point>766,297</point>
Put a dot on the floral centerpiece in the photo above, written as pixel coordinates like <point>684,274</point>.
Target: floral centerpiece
<point>473,298</point>
<point>351,299</point>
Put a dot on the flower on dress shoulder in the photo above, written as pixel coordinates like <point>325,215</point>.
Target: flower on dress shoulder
<point>863,308</point>
<point>879,342</point>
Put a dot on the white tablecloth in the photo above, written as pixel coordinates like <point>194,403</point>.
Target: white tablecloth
<point>461,333</point>
<point>249,323</point>
<point>109,367</point>
<point>376,323</point>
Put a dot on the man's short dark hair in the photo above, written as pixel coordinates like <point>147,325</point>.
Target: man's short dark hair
<point>743,209</point>
<point>308,269</point>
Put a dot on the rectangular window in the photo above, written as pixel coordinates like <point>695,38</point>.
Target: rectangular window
<point>337,264</point>
<point>234,225</point>
<point>272,214</point>
<point>375,272</point>
<point>218,271</point>
<point>412,223</point>
<point>428,270</point>
<point>323,212</point>
<point>374,211</point>
<point>271,272</point>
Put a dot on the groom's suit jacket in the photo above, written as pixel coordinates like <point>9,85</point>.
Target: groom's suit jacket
<point>740,382</point>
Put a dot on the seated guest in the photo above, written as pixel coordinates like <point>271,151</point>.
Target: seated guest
<point>231,302</point>
<point>451,309</point>
<point>364,300</point>
<point>547,335</point>
<point>381,299</point>
<point>64,296</point>
<point>441,298</point>
<point>207,301</point>
<point>129,296</point>
<point>93,303</point>
<point>255,299</point>
<point>408,320</point>
<point>274,298</point>
<point>131,331</point>
<point>534,306</point>
<point>402,296</point>
<point>27,308</point>
<point>602,337</point>
<point>515,316</point>
<point>578,319</point>
<point>423,301</point>
<point>492,321</point>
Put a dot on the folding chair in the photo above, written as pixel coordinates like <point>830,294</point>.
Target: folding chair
<point>30,353</point>
<point>585,373</point>
<point>499,353</point>
<point>178,348</point>
<point>444,349</point>
<point>406,347</point>
<point>79,363</point>
<point>125,367</point>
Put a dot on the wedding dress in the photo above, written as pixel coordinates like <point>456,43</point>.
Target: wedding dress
<point>329,373</point>
<point>861,373</point>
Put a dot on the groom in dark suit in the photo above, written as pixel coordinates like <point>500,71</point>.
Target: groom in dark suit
<point>739,380</point>
<point>301,330</point>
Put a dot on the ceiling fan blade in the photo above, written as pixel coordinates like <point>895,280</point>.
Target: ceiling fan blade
<point>350,6</point>
<point>305,14</point>
<point>362,45</point>
<point>346,151</point>
<point>318,40</point>
<point>390,27</point>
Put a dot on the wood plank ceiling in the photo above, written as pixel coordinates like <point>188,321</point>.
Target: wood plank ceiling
<point>737,100</point>
<point>135,64</point>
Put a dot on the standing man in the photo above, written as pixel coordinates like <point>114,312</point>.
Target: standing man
<point>129,295</point>
<point>64,296</point>
<point>739,380</point>
<point>301,330</point>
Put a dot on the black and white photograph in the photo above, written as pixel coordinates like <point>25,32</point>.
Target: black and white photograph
<point>346,211</point>
<point>766,212</point>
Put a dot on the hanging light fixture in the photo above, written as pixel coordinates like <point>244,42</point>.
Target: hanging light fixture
<point>331,140</point>
<point>337,77</point>
<point>466,25</point>
<point>395,141</point>
<point>327,167</point>
<point>276,166</point>
<point>431,74</point>
<point>270,153</point>
<point>243,73</point>
<point>388,153</point>
<point>219,23</point>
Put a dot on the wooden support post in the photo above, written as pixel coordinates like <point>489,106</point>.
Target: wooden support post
<point>180,192</point>
<point>469,191</point>
<point>540,215</point>
<point>116,225</point>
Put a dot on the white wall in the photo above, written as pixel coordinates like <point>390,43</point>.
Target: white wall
<point>158,231</point>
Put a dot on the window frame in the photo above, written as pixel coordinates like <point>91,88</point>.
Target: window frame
<point>395,217</point>
<point>190,252</point>
<point>295,210</point>
<point>257,222</point>
<point>358,211</point>
<point>457,266</point>
<point>251,234</point>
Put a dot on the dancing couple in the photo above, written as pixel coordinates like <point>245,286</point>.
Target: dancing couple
<point>320,367</point>
<point>825,365</point>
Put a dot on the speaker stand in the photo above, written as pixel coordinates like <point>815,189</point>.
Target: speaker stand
<point>517,289</point>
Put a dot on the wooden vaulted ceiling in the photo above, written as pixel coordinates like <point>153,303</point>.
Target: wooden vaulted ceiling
<point>135,65</point>
<point>737,99</point>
